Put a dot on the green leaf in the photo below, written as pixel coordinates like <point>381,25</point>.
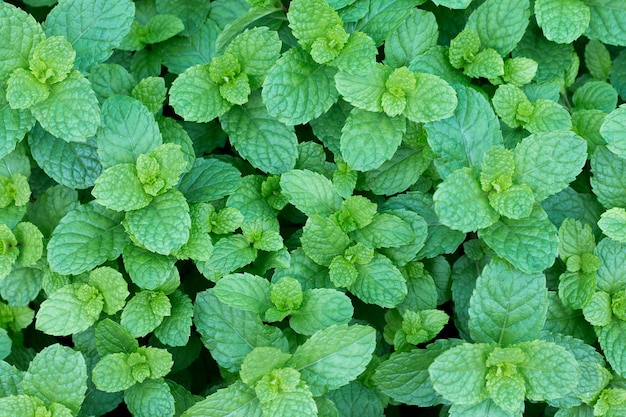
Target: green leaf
<point>182,52</point>
<point>24,90</point>
<point>130,196</point>
<point>607,22</point>
<point>459,373</point>
<point>379,282</point>
<point>85,238</point>
<point>507,306</point>
<point>541,358</point>
<point>14,124</point>
<point>378,133</point>
<point>147,270</point>
<point>257,50</point>
<point>562,21</point>
<point>244,291</point>
<point>111,337</point>
<point>461,140</point>
<point>530,244</point>
<point>230,334</point>
<point>196,97</point>
<point>259,138</point>
<point>310,20</point>
<point>144,312</point>
<point>151,92</point>
<point>175,329</point>
<point>383,17</point>
<point>310,192</point>
<point>400,172</point>
<point>433,99</point>
<point>385,231</point>
<point>595,95</point>
<point>208,180</point>
<point>334,356</point>
<point>162,27</point>
<point>229,254</point>
<point>71,111</point>
<point>611,338</point>
<point>500,25</point>
<point>322,239</point>
<point>298,89</point>
<point>57,374</point>
<point>576,288</point>
<point>171,212</point>
<point>365,90</point>
<point>93,28</point>
<point>415,35</point>
<point>461,204</point>
<point>610,128</point>
<point>598,60</point>
<point>613,224</point>
<point>78,304</point>
<point>260,362</point>
<point>112,286</point>
<point>237,400</point>
<point>128,130</point>
<point>598,310</point>
<point>611,276</point>
<point>113,373</point>
<point>607,184</point>
<point>22,33</point>
<point>321,308</point>
<point>29,239</point>
<point>149,398</point>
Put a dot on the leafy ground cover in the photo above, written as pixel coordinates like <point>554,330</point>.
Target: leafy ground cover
<point>313,208</point>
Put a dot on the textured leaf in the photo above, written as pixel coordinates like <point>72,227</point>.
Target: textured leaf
<point>461,204</point>
<point>385,231</point>
<point>310,192</point>
<point>208,180</point>
<point>128,130</point>
<point>417,33</point>
<point>382,17</point>
<point>459,373</point>
<point>321,308</point>
<point>112,373</point>
<point>611,338</point>
<point>379,282</point>
<point>334,356</point>
<point>433,99</point>
<point>146,269</point>
<point>182,52</point>
<point>57,374</point>
<point>297,89</point>
<point>562,21</point>
<point>260,138</point>
<point>237,400</point>
<point>530,244</point>
<point>175,329</point>
<point>229,254</point>
<point>230,334</point>
<point>500,25</point>
<point>196,97</point>
<point>368,139</point>
<point>462,140</point>
<point>365,90</point>
<point>78,312</point>
<point>610,130</point>
<point>608,21</point>
<point>110,192</point>
<point>171,212</point>
<point>244,291</point>
<point>613,224</point>
<point>607,182</point>
<point>595,95</point>
<point>73,164</point>
<point>322,239</point>
<point>111,337</point>
<point>85,238</point>
<point>144,312</point>
<point>611,276</point>
<point>257,50</point>
<point>93,28</point>
<point>507,306</point>
<point>19,34</point>
<point>150,398</point>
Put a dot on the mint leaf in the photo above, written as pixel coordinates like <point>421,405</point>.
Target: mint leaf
<point>150,397</point>
<point>377,132</point>
<point>147,269</point>
<point>507,306</point>
<point>562,22</point>
<point>244,291</point>
<point>384,231</point>
<point>366,90</point>
<point>344,349</point>
<point>500,25</point>
<point>257,50</point>
<point>321,308</point>
<point>229,254</point>
<point>57,374</point>
<point>379,282</point>
<point>94,29</point>
<point>606,184</point>
<point>611,278</point>
<point>530,244</point>
<point>144,312</point>
<point>310,192</point>
<point>171,212</point>
<point>113,373</point>
<point>182,52</point>
<point>415,35</point>
<point>595,95</point>
<point>111,337</point>
<point>381,18</point>
<point>85,238</point>
<point>462,140</point>
<point>196,97</point>
<point>400,172</point>
<point>175,329</point>
<point>264,141</point>
<point>322,239</point>
<point>292,83</point>
<point>18,28</point>
<point>237,400</point>
<point>15,124</point>
<point>606,21</point>
<point>131,196</point>
<point>208,180</point>
<point>610,128</point>
<point>432,99</point>
<point>611,338</point>
<point>613,224</point>
<point>24,90</point>
<point>459,373</point>
<point>128,130</point>
<point>112,286</point>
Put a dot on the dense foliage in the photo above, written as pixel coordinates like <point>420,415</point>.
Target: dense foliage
<point>313,208</point>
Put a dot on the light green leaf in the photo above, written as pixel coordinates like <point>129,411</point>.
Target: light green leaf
<point>119,189</point>
<point>461,204</point>
<point>530,244</point>
<point>182,52</point>
<point>365,90</point>
<point>358,53</point>
<point>264,141</point>
<point>368,139</point>
<point>162,27</point>
<point>542,383</point>
<point>151,92</point>
<point>548,116</point>
<point>611,338</point>
<point>85,238</point>
<point>113,373</point>
<point>400,172</point>
<point>29,240</point>
<point>93,28</point>
<point>310,20</point>
<point>175,329</point>
<point>171,212</point>
<point>128,130</point>
<point>576,288</point>
<point>257,50</point>
<point>78,306</point>
<point>237,400</point>
<point>229,254</point>
<point>598,310</point>
<point>500,25</point>
<point>607,183</point>
<point>21,405</point>
<point>147,270</point>
<point>298,89</point>
<point>144,312</point>
<point>208,180</point>
<point>108,80</point>
<point>71,111</point>
<point>613,224</point>
<point>111,337</point>
<point>112,286</point>
<point>298,401</point>
<point>13,125</point>
<point>462,140</point>
<point>260,362</point>
<point>595,95</point>
<point>310,192</point>
<point>196,97</point>
<point>611,276</point>
<point>614,123</point>
<point>459,373</point>
<point>433,99</point>
<point>549,161</point>
<point>515,202</point>
<point>322,239</point>
<point>383,17</point>
<point>385,231</point>
<point>507,306</point>
<point>24,90</point>
<point>151,397</point>
<point>244,291</point>
<point>487,64</point>
<point>334,356</point>
<point>57,374</point>
<point>19,34</point>
<point>598,60</point>
<point>608,21</point>
<point>562,21</point>
<point>229,344</point>
<point>415,35</point>
<point>379,282</point>
<point>321,308</point>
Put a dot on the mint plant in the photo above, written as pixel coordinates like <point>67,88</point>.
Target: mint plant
<point>312,208</point>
